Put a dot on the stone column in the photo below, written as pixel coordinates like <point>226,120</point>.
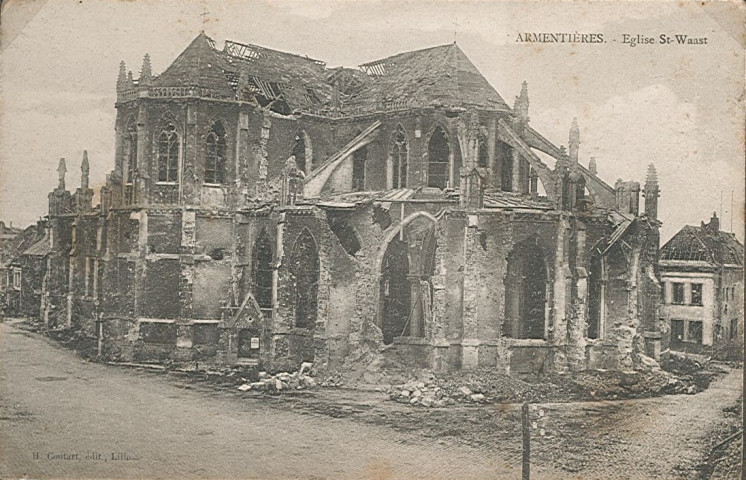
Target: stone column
<point>562,277</point>
<point>576,325</point>
<point>186,262</point>
<point>142,158</point>
<point>70,290</point>
<point>470,339</point>
<point>390,172</point>
<point>491,141</point>
<point>452,173</point>
<point>515,171</point>
<point>534,186</point>
<point>437,328</point>
<point>415,318</point>
<point>242,160</point>
<point>189,179</point>
<point>602,300</point>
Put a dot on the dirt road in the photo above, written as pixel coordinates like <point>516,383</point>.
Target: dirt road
<point>132,424</point>
<point>57,410</point>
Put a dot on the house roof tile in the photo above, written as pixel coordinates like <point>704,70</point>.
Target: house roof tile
<point>703,244</point>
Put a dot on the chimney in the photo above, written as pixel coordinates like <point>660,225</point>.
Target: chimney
<point>714,225</point>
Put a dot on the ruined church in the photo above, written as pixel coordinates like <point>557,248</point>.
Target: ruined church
<point>263,207</point>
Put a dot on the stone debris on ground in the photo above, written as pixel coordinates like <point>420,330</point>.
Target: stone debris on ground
<point>488,386</point>
<point>431,393</point>
<point>299,380</point>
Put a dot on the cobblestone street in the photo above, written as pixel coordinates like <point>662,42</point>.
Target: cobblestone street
<point>86,420</point>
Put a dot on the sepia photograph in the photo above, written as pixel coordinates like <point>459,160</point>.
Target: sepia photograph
<point>372,239</point>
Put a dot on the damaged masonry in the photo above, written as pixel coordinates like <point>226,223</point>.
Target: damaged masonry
<point>264,207</point>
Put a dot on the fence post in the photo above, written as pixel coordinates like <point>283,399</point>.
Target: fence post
<point>526,427</point>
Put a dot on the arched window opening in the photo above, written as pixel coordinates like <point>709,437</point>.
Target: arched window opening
<point>304,280</point>
<point>406,289</point>
<point>439,153</point>
<point>168,155</point>
<point>395,291</point>
<point>358,168</point>
<point>595,298</point>
<point>261,266</point>
<point>299,151</point>
<point>130,153</point>
<point>215,152</point>
<point>525,292</point>
<point>344,232</point>
<point>399,156</point>
<point>484,157</point>
<point>504,154</point>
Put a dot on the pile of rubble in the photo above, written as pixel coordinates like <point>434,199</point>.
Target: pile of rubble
<point>431,394</point>
<point>299,380</point>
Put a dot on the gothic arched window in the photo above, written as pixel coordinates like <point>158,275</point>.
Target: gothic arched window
<point>304,280</point>
<point>262,271</point>
<point>168,155</point>
<point>399,155</point>
<point>215,155</point>
<point>439,152</point>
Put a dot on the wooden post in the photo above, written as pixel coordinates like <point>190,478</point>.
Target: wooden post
<point>526,442</point>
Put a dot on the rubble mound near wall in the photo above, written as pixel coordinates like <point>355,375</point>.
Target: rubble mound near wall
<point>279,382</point>
<point>486,386</point>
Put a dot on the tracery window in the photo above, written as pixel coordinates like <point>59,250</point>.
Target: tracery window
<point>168,154</point>
<point>399,155</point>
<point>262,271</point>
<point>215,155</point>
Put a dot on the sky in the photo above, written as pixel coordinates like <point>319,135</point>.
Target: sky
<point>677,106</point>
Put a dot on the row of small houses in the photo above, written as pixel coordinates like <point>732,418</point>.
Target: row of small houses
<point>701,271</point>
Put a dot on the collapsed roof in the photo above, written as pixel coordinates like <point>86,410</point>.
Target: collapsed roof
<point>437,76</point>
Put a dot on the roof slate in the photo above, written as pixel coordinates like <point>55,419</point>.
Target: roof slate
<point>437,76</point>
<point>703,244</point>
<point>199,65</point>
<point>41,248</point>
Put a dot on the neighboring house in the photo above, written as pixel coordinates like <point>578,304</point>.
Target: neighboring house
<point>33,262</point>
<point>9,236</point>
<point>15,299</point>
<point>264,207</point>
<point>702,271</point>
